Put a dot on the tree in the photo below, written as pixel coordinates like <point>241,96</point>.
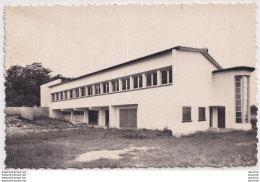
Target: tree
<point>23,84</point>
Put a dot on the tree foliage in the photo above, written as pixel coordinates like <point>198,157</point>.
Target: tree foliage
<point>23,84</point>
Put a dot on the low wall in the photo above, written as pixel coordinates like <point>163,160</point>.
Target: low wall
<point>29,113</point>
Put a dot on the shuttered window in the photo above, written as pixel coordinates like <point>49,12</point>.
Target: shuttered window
<point>202,114</point>
<point>186,114</point>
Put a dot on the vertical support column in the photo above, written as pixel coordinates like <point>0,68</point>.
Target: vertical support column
<point>112,117</point>
<point>93,90</point>
<point>131,83</point>
<point>159,77</point>
<point>110,87</point>
<point>120,84</point>
<point>100,118</point>
<point>71,115</point>
<point>80,94</point>
<point>248,99</point>
<point>101,88</point>
<point>144,80</point>
<point>86,116</point>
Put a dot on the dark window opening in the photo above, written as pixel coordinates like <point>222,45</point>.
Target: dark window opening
<point>186,114</point>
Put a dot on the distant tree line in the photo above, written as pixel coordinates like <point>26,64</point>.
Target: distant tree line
<point>22,84</point>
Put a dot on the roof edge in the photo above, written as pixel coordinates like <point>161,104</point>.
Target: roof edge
<point>236,68</point>
<point>119,65</point>
<point>203,51</point>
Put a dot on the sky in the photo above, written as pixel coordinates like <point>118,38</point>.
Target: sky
<point>76,40</point>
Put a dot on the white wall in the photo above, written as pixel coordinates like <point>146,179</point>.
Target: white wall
<point>45,92</point>
<point>224,94</point>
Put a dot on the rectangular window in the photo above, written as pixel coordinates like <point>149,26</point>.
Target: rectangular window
<point>97,89</point>
<point>90,90</point>
<point>57,96</point>
<point>125,83</point>
<point>170,75</point>
<point>71,94</point>
<point>138,81</point>
<point>149,79</point>
<point>115,86</point>
<point>242,98</point>
<point>61,95</point>
<point>83,91</point>
<point>164,77</point>
<point>52,97</point>
<point>106,87</point>
<point>202,114</point>
<point>186,114</point>
<point>77,92</point>
<point>66,113</point>
<point>66,95</point>
<point>155,78</point>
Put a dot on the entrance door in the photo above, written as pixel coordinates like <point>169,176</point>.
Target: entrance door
<point>93,117</point>
<point>221,117</point>
<point>107,118</point>
<point>128,118</point>
<point>210,117</point>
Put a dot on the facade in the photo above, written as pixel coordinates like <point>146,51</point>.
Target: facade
<point>183,89</point>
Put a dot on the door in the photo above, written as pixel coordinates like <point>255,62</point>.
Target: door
<point>107,118</point>
<point>221,117</point>
<point>210,117</point>
<point>128,118</point>
<point>93,117</point>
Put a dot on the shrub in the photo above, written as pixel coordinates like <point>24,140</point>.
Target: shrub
<point>167,131</point>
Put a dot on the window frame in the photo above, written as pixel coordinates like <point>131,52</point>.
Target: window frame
<point>184,108</point>
<point>204,114</point>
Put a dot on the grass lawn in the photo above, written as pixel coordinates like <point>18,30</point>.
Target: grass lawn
<point>61,144</point>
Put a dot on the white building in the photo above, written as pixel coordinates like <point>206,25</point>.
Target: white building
<point>182,88</point>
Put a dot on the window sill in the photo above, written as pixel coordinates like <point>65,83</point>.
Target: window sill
<point>202,120</point>
<point>186,121</point>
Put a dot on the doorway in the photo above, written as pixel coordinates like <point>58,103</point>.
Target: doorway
<point>93,117</point>
<point>107,118</point>
<point>221,117</point>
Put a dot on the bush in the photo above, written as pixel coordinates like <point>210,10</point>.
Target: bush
<point>167,131</point>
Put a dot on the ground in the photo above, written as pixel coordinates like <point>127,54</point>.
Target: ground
<point>49,143</point>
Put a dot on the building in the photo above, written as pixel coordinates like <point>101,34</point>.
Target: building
<point>183,89</point>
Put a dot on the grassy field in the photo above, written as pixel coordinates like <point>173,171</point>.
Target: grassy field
<point>58,145</point>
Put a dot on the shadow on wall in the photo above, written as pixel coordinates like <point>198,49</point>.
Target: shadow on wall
<point>29,113</point>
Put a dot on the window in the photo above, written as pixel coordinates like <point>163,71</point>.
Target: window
<point>52,97</point>
<point>57,96</point>
<point>66,95</point>
<point>202,114</point>
<point>106,87</point>
<point>155,78</point>
<point>186,114</point>
<point>77,92</point>
<point>83,91</point>
<point>138,81</point>
<point>151,79</point>
<point>97,89</point>
<point>66,113</point>
<point>78,113</point>
<point>71,94</point>
<point>61,95</point>
<point>170,75</point>
<point>90,90</point>
<point>126,84</point>
<point>115,86</point>
<point>242,98</point>
<point>166,76</point>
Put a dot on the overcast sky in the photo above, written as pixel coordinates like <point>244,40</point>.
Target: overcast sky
<point>75,40</point>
